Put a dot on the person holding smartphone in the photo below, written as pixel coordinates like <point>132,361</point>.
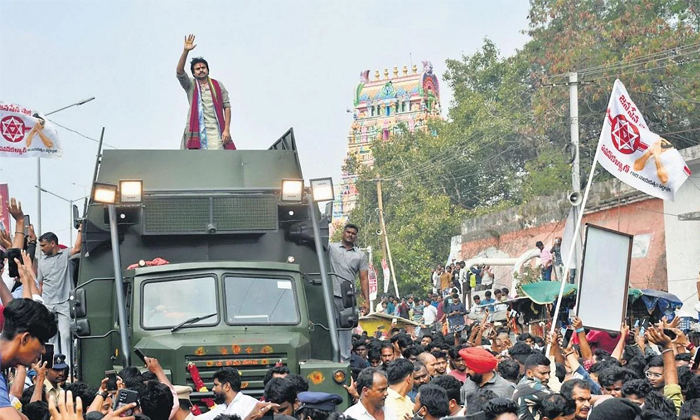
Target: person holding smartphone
<point>28,325</point>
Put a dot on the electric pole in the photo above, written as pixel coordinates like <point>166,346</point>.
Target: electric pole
<point>573,114</point>
<point>575,166</point>
<point>386,251</point>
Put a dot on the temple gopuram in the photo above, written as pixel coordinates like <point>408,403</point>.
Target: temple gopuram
<point>382,107</point>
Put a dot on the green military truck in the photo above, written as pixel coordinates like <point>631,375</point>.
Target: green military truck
<point>246,284</point>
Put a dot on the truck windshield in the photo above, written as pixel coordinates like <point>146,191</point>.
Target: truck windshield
<point>256,300</point>
<point>167,303</point>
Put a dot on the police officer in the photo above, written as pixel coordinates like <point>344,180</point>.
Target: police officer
<point>316,405</point>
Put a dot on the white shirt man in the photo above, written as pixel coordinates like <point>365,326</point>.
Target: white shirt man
<point>372,395</point>
<point>241,405</point>
<point>227,391</point>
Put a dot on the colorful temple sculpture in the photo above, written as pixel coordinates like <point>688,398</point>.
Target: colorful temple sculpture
<point>382,108</point>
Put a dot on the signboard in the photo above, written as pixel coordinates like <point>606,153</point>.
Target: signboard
<point>372,282</point>
<point>4,210</point>
<point>602,300</point>
<point>26,134</point>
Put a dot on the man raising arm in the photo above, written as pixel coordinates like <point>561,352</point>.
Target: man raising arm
<point>209,118</point>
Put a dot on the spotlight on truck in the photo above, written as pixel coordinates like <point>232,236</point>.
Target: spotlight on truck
<point>292,190</point>
<point>130,191</point>
<point>104,193</point>
<point>322,189</point>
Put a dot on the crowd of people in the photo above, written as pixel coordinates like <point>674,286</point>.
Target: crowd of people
<point>459,361</point>
<point>487,369</point>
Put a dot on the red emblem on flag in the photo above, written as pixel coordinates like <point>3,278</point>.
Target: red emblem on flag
<point>13,128</point>
<point>625,135</point>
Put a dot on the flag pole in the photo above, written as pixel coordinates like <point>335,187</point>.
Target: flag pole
<point>577,229</point>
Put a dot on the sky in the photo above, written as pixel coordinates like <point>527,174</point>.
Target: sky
<point>288,63</point>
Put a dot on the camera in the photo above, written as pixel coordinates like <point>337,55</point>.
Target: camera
<point>11,254</point>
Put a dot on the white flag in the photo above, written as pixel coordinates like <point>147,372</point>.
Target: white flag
<point>635,155</point>
<point>386,273</point>
<point>23,135</point>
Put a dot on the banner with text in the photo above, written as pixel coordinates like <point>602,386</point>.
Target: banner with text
<point>636,156</point>
<point>4,210</point>
<point>26,134</point>
<point>372,275</point>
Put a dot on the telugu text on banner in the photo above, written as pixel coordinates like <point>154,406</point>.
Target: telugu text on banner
<point>26,134</point>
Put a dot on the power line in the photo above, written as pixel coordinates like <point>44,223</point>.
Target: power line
<point>435,161</point>
<point>81,134</point>
<point>434,164</point>
<point>678,51</point>
<point>641,63</point>
<point>642,70</point>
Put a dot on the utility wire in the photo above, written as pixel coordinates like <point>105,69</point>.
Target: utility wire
<point>440,159</point>
<point>437,161</point>
<point>674,52</point>
<point>82,135</point>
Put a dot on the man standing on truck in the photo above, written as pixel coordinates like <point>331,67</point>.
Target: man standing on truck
<point>347,262</point>
<point>209,117</point>
<point>56,283</point>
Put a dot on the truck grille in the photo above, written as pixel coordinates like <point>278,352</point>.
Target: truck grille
<point>193,215</point>
<point>252,368</point>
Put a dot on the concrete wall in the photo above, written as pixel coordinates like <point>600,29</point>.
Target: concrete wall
<point>611,204</point>
<point>683,237</point>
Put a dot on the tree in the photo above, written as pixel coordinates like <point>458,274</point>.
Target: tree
<point>652,47</point>
<point>504,141</point>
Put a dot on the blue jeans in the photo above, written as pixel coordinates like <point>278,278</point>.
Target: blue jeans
<point>547,273</point>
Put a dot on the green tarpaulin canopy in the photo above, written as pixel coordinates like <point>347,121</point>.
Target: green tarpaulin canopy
<point>546,292</point>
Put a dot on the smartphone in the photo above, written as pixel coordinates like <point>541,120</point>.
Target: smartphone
<point>26,225</point>
<point>140,354</point>
<point>125,397</point>
<point>11,254</point>
<point>48,355</point>
<point>111,376</point>
<point>567,335</point>
<point>696,361</point>
<point>670,334</point>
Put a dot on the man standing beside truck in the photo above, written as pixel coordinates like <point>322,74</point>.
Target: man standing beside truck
<point>55,281</point>
<point>209,116</point>
<point>347,262</point>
